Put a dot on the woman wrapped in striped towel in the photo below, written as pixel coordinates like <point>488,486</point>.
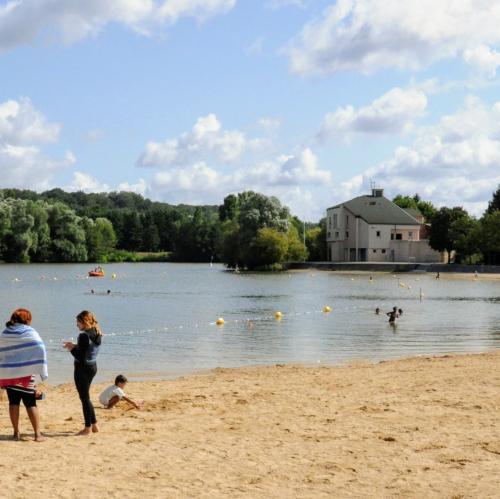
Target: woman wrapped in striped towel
<point>22,358</point>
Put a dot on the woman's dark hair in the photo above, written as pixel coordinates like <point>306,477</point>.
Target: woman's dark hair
<point>120,379</point>
<point>19,316</point>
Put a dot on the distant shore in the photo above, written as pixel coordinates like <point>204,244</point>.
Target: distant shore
<point>396,267</point>
<point>418,427</point>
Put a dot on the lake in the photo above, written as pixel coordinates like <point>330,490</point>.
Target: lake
<point>159,319</point>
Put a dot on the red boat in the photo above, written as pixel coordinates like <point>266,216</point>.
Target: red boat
<point>99,272</point>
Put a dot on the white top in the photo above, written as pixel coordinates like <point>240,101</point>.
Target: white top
<point>109,393</point>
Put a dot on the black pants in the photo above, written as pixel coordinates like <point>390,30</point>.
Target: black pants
<point>15,397</point>
<point>84,374</point>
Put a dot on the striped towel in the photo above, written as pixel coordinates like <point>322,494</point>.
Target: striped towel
<point>22,353</point>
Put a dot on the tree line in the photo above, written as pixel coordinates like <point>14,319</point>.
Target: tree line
<point>472,240</point>
<point>248,230</point>
<point>59,226</point>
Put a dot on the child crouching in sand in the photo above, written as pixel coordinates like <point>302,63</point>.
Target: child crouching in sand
<point>114,393</point>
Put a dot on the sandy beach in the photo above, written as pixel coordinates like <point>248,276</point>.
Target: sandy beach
<point>419,427</point>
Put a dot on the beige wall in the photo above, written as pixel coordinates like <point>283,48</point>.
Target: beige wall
<point>417,251</point>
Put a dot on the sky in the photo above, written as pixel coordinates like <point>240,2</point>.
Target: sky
<point>313,101</point>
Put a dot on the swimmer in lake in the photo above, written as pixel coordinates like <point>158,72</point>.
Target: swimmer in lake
<point>377,311</point>
<point>393,314</point>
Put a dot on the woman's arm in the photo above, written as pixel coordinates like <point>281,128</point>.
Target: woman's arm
<point>79,351</point>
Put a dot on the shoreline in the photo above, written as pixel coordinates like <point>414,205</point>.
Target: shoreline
<point>412,427</point>
<point>159,376</point>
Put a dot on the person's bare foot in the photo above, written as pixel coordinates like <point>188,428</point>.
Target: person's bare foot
<point>84,433</point>
<point>95,428</point>
<point>16,437</point>
<point>40,438</point>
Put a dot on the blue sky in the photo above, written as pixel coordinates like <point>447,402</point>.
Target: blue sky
<point>190,100</point>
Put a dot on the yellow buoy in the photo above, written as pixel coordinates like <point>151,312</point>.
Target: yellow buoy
<point>220,321</point>
<point>327,309</point>
<point>278,315</point>
<point>113,276</point>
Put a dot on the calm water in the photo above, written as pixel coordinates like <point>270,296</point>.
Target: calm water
<point>159,318</point>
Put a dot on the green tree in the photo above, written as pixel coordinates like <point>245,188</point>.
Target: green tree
<point>494,204</point>
<point>269,246</point>
<point>464,235</point>
<point>441,236</point>
<point>316,242</point>
<point>229,209</point>
<point>197,237</point>
<point>4,226</point>
<point>415,202</point>
<point>228,244</point>
<point>67,234</point>
<point>102,240</point>
<point>296,251</point>
<point>20,238</point>
<point>132,231</point>
<point>150,233</point>
<point>489,238</point>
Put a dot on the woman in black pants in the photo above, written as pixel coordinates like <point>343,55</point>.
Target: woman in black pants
<point>85,353</point>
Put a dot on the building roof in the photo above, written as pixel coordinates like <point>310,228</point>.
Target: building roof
<point>413,212</point>
<point>379,210</point>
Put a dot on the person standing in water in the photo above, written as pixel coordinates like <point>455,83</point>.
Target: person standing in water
<point>393,314</point>
<point>85,353</point>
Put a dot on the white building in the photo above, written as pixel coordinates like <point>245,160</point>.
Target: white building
<point>374,229</point>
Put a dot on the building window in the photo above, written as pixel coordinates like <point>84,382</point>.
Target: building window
<point>336,235</point>
<point>374,250</point>
<point>378,233</point>
<point>346,220</point>
<point>399,237</point>
<point>410,235</point>
<point>329,234</point>
<point>392,237</point>
<point>383,252</point>
<point>335,221</point>
<point>346,234</point>
<point>329,223</point>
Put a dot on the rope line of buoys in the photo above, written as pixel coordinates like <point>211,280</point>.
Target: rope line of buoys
<point>250,322</point>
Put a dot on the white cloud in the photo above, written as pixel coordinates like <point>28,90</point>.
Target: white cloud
<point>278,4</point>
<point>23,22</point>
<point>298,169</point>
<point>208,162</point>
<point>171,10</point>
<point>86,183</point>
<point>139,188</point>
<point>25,167</point>
<point>23,129</point>
<point>21,123</point>
<point>206,140</point>
<point>454,162</point>
<point>393,112</point>
<point>368,35</point>
<point>198,177</point>
<point>269,124</point>
<point>484,59</point>
<point>282,176</point>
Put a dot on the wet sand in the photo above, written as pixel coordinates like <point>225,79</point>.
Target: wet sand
<point>419,427</point>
